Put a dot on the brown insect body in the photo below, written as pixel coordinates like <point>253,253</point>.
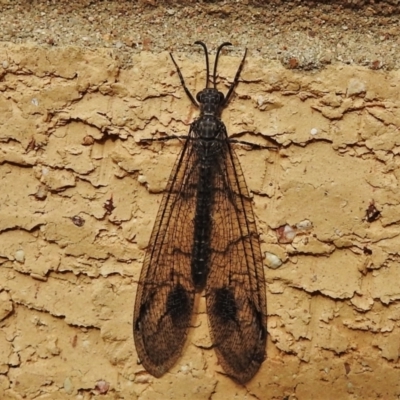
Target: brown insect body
<point>204,237</point>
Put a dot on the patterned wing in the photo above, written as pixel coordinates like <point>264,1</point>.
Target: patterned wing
<point>235,290</point>
<point>165,294</point>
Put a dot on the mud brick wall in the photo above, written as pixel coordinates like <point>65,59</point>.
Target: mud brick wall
<point>79,196</point>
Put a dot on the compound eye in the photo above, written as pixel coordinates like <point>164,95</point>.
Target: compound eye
<point>199,96</point>
<point>221,97</point>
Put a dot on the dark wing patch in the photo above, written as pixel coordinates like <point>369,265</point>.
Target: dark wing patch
<point>235,290</point>
<point>165,294</point>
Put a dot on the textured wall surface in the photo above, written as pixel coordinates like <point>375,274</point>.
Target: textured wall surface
<point>70,122</point>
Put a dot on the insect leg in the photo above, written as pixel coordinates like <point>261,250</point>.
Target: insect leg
<point>163,139</point>
<point>253,145</point>
<point>187,91</point>
<point>235,81</point>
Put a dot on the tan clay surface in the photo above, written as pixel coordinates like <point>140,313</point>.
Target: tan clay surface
<point>70,122</point>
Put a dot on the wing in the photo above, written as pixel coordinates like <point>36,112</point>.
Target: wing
<point>235,290</point>
<point>165,294</point>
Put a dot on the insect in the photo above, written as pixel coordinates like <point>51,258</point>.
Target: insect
<point>204,238</point>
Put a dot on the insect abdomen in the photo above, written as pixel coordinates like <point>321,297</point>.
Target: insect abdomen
<point>202,223</point>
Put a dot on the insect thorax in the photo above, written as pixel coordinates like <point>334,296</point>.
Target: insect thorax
<point>209,127</point>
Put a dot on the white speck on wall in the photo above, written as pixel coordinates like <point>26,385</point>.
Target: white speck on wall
<point>273,261</point>
<point>355,86</point>
<point>314,131</point>
<point>20,256</point>
<point>142,179</point>
<point>304,225</point>
<point>289,232</point>
<point>68,386</point>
